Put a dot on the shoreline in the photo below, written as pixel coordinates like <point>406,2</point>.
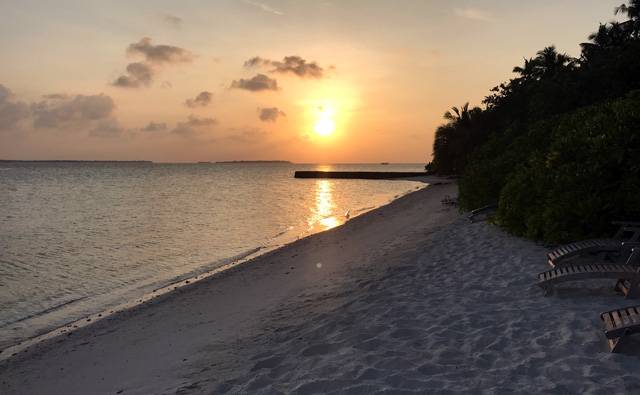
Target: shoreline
<point>409,298</point>
<point>137,346</point>
<point>11,350</point>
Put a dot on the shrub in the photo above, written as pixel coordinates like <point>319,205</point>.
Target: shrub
<point>587,175</point>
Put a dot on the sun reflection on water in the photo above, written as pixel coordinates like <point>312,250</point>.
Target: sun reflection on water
<point>322,213</point>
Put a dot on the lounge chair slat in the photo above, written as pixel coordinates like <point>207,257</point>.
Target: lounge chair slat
<point>624,317</point>
<point>633,315</point>
<point>616,319</point>
<point>608,321</point>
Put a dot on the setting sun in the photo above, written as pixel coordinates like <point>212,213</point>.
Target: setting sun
<point>325,125</point>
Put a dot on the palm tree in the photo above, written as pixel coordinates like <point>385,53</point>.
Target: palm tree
<point>608,36</point>
<point>549,61</point>
<point>527,70</point>
<point>457,114</point>
<point>633,12</point>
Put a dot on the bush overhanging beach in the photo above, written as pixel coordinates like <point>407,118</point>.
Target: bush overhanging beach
<point>556,147</point>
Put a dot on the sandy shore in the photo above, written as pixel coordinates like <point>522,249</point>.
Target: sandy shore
<point>409,298</point>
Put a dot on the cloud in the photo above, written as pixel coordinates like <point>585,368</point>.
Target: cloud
<point>155,127</point>
<point>193,125</point>
<point>259,82</point>
<point>473,14</point>
<point>138,74</point>
<point>201,100</point>
<point>247,135</point>
<point>264,7</point>
<point>159,54</point>
<point>63,110</point>
<point>141,74</point>
<point>92,113</point>
<point>256,61</point>
<point>289,64</point>
<point>56,96</point>
<point>270,114</point>
<point>172,20</point>
<point>107,128</point>
<point>11,112</point>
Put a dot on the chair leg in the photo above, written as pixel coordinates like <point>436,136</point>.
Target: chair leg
<point>616,345</point>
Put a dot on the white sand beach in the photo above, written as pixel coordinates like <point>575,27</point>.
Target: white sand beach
<point>408,298</point>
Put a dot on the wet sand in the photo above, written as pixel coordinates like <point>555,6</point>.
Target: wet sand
<point>204,328</point>
<point>408,298</point>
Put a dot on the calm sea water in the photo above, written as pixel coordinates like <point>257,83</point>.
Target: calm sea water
<point>77,238</point>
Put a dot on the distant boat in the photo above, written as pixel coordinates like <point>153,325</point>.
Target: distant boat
<point>384,163</point>
<point>204,161</point>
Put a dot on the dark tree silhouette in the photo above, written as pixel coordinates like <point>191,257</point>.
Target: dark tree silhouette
<point>517,128</point>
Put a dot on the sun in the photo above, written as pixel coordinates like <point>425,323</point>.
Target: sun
<point>325,124</point>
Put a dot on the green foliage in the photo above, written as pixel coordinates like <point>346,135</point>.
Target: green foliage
<point>455,140</point>
<point>588,175</point>
<point>557,146</point>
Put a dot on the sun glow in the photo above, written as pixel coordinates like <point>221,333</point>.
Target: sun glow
<point>325,124</point>
<point>327,112</point>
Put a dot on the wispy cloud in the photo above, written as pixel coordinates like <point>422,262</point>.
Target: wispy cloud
<point>155,127</point>
<point>160,53</point>
<point>264,7</point>
<point>194,125</point>
<point>141,74</point>
<point>201,100</point>
<point>247,135</point>
<point>290,64</point>
<point>474,14</point>
<point>63,110</point>
<point>138,74</point>
<point>259,82</point>
<point>172,20</point>
<point>270,114</point>
<point>11,111</point>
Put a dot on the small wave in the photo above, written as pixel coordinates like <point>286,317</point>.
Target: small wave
<point>281,233</point>
<point>206,268</point>
<point>43,312</point>
<point>360,210</point>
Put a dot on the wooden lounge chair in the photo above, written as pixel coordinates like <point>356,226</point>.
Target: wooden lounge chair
<point>482,212</point>
<point>627,232</point>
<point>619,324</point>
<point>627,274</point>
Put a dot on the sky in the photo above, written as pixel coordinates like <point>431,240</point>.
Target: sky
<point>339,81</point>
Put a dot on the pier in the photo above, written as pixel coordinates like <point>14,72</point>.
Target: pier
<point>359,175</point>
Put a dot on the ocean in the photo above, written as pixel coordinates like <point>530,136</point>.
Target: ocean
<point>77,238</point>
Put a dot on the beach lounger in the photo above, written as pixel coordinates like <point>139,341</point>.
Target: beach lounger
<point>619,325</point>
<point>627,232</point>
<point>627,274</point>
<point>482,212</point>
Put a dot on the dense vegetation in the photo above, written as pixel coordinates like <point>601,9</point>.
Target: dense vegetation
<point>558,146</point>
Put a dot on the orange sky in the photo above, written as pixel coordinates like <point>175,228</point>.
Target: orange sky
<point>173,82</point>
